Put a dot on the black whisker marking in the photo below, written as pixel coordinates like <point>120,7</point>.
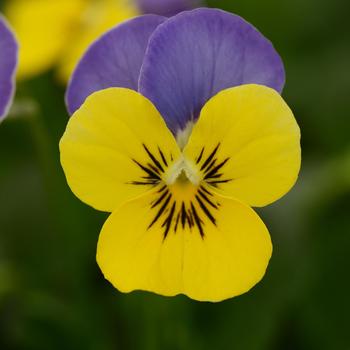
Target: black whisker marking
<point>148,171</point>
<point>206,210</point>
<point>200,156</point>
<point>160,211</point>
<point>183,215</point>
<point>216,169</point>
<point>190,218</point>
<point>162,188</point>
<point>155,161</point>
<point>153,168</point>
<point>219,181</point>
<point>160,199</point>
<point>210,166</point>
<point>143,183</point>
<point>198,220</point>
<point>169,220</point>
<point>205,197</point>
<point>177,221</point>
<point>216,176</point>
<point>211,156</point>
<point>206,191</point>
<point>163,157</point>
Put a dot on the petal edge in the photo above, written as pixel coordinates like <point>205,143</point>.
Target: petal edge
<point>8,65</point>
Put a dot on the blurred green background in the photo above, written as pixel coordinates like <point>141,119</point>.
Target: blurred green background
<point>52,294</point>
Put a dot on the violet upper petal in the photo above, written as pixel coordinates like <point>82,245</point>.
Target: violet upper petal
<point>8,65</point>
<point>166,7</point>
<point>114,60</point>
<point>198,53</point>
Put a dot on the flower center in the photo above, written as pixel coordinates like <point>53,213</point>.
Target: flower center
<point>182,171</point>
<point>183,195</point>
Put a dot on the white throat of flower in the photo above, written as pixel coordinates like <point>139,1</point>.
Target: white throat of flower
<point>182,171</point>
<point>182,136</point>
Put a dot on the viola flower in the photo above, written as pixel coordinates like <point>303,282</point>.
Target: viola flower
<point>8,64</point>
<point>43,27</point>
<point>182,132</point>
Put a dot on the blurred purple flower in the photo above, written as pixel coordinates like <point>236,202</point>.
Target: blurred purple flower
<point>8,64</point>
<point>178,63</point>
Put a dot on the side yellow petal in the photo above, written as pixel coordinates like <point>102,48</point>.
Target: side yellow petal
<point>99,17</point>
<point>116,147</point>
<point>173,247</point>
<point>256,139</point>
<point>43,28</point>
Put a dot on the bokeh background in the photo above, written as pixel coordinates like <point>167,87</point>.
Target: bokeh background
<point>52,294</point>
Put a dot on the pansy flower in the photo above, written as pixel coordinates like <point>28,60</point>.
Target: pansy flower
<point>8,64</point>
<point>53,32</point>
<point>179,130</point>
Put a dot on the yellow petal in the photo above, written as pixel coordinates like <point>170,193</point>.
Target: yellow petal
<point>251,135</point>
<point>99,17</point>
<point>116,147</point>
<point>43,28</point>
<point>173,245</point>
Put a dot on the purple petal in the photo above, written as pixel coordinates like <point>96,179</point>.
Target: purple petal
<point>114,60</point>
<point>198,53</point>
<point>166,7</point>
<point>8,64</point>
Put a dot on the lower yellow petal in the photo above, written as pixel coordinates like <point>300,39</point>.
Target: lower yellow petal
<point>43,28</point>
<point>182,245</point>
<point>116,147</point>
